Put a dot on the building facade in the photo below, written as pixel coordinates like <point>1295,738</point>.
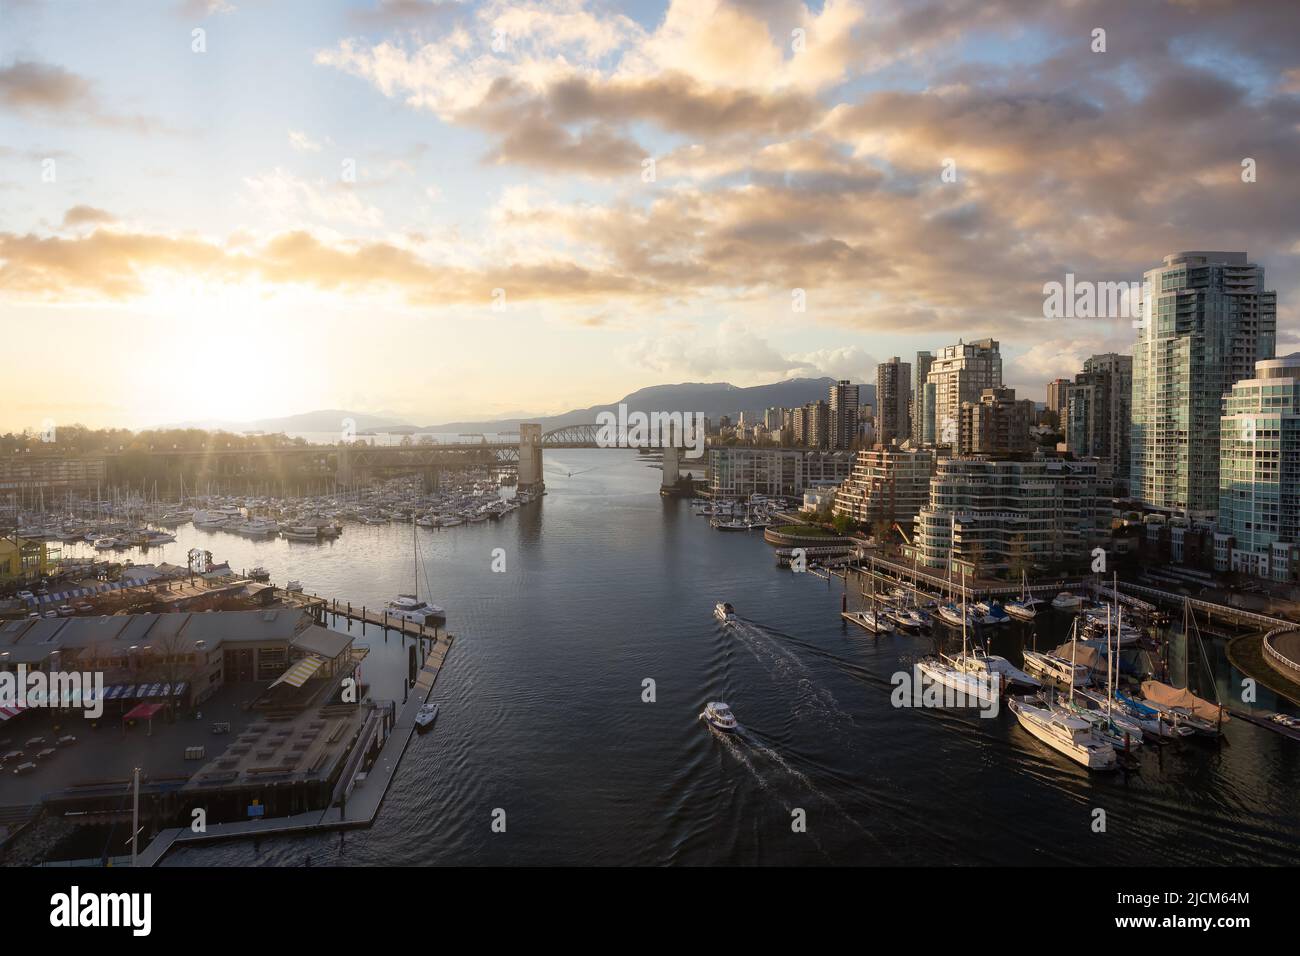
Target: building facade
<point>921,372</point>
<point>1259,471</point>
<point>887,484</point>
<point>997,425</point>
<point>988,517</point>
<point>1098,414</point>
<point>1057,389</point>
<point>1207,320</point>
<point>893,397</point>
<point>959,373</point>
<point>741,472</point>
<point>842,420</point>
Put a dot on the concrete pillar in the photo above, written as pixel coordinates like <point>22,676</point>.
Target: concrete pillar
<point>672,470</point>
<point>530,455</point>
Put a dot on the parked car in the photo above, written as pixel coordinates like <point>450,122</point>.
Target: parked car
<point>66,611</point>
<point>82,607</point>
<point>25,595</point>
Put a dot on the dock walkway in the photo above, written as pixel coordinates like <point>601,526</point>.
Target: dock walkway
<point>363,797</point>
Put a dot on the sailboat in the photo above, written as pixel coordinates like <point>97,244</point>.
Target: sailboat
<point>409,607</point>
<point>973,686</point>
<point>1026,609</point>
<point>872,620</point>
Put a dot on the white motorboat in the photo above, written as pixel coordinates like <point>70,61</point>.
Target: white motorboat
<point>1055,668</point>
<point>1065,734</point>
<point>1065,601</point>
<point>719,717</point>
<point>871,621</point>
<point>425,717</point>
<point>724,612</point>
<point>106,544</point>
<point>301,532</point>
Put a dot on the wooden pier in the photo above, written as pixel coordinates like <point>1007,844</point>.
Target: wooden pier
<point>322,609</point>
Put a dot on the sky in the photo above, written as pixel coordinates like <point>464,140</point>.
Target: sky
<point>442,210</point>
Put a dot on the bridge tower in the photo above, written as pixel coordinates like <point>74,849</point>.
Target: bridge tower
<point>530,456</point>
<point>672,468</point>
<point>343,474</point>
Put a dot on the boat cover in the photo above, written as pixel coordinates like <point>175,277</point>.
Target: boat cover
<point>1081,653</point>
<point>1168,696</point>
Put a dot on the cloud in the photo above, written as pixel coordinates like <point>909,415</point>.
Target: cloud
<point>27,86</point>
<point>86,215</point>
<point>302,142</point>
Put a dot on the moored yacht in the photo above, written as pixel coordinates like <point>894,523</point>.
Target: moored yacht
<point>874,622</point>
<point>1065,734</point>
<point>1025,609</point>
<point>408,607</point>
<point>425,717</point>
<point>1065,601</point>
<point>1055,668</point>
<point>719,716</point>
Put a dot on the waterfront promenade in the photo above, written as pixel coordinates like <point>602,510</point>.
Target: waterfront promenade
<point>357,797</point>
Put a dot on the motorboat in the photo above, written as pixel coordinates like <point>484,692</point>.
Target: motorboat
<point>1055,668</point>
<point>874,622</point>
<point>106,544</point>
<point>719,717</point>
<point>724,612</point>
<point>259,573</point>
<point>425,717</point>
<point>301,532</point>
<point>1066,734</point>
<point>1065,601</point>
<point>909,619</point>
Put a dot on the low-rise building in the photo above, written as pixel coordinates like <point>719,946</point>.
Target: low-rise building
<point>741,472</point>
<point>887,484</point>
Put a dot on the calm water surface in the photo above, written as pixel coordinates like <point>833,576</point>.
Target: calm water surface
<point>607,586</point>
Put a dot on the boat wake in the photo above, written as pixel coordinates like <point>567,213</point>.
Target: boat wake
<point>788,669</point>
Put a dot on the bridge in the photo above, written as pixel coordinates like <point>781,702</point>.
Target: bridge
<point>343,463</point>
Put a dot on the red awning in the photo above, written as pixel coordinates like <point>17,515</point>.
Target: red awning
<point>142,711</point>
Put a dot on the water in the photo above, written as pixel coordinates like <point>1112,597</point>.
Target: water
<point>608,586</point>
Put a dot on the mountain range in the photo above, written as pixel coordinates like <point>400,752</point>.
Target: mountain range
<point>713,399</point>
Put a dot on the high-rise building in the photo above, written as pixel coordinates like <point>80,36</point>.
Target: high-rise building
<point>817,424</point>
<point>842,425</point>
<point>1098,412</point>
<point>1057,390</point>
<point>1207,320</point>
<point>986,517</point>
<point>960,373</point>
<point>741,472</point>
<point>996,425</point>
<point>893,392</point>
<point>774,418</point>
<point>887,484</point>
<point>919,424</point>
<point>1259,471</point>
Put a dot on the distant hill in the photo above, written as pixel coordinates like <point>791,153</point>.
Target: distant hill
<point>322,420</point>
<point>714,399</point>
